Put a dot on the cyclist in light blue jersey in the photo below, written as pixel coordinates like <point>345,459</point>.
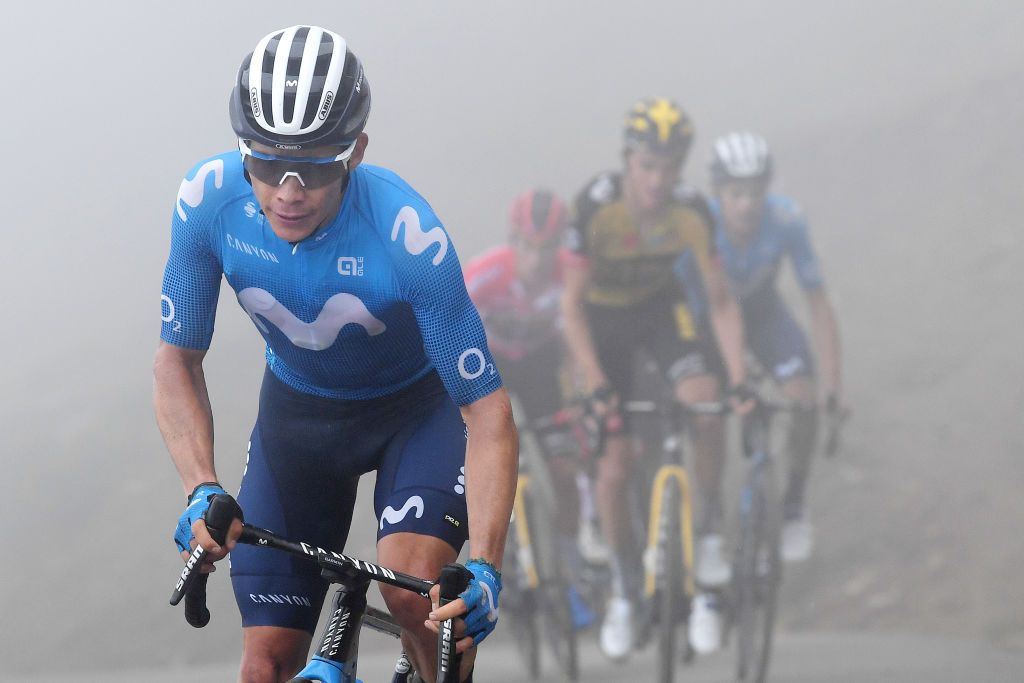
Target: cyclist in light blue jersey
<point>376,359</point>
<point>756,231</point>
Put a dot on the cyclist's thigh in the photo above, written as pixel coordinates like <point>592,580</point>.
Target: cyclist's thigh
<point>683,348</point>
<point>421,483</point>
<point>613,330</point>
<point>777,341</point>
<point>294,485</point>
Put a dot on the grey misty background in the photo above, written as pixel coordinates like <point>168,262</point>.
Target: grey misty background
<point>896,125</point>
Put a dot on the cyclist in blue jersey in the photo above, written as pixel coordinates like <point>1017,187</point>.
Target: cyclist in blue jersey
<point>756,230</point>
<point>376,360</point>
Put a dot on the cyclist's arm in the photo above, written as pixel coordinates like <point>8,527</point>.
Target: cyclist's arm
<point>574,320</point>
<point>455,342</point>
<point>183,412</point>
<point>823,321</point>
<point>826,338</point>
<point>492,464</point>
<point>185,418</point>
<point>726,321</point>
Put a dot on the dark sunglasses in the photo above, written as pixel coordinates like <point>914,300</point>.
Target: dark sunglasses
<point>311,172</point>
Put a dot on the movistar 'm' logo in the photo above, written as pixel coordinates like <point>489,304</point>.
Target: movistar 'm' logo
<point>338,311</point>
<point>416,239</point>
<point>191,191</point>
<point>393,516</point>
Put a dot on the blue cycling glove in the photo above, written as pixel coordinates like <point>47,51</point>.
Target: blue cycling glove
<point>197,505</point>
<point>481,598</point>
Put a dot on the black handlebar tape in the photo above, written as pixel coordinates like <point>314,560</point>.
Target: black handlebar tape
<point>192,584</point>
<point>453,580</point>
<point>196,612</point>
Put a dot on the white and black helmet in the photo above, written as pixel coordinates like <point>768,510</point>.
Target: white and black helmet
<point>301,87</point>
<point>740,155</point>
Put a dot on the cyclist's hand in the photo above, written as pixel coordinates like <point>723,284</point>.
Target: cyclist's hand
<point>192,529</point>
<point>603,411</point>
<point>477,606</point>
<point>742,399</point>
<point>481,600</point>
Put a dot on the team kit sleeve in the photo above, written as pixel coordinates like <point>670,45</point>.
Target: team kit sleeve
<point>433,284</point>
<point>575,243</point>
<point>805,261</point>
<point>703,241</point>
<point>191,283</point>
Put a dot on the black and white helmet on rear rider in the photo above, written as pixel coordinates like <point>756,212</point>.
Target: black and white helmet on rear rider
<point>301,87</point>
<point>739,156</point>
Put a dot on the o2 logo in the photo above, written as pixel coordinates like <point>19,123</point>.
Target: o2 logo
<point>472,364</point>
<point>168,317</point>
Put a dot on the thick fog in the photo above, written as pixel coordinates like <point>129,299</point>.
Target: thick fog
<point>897,125</point>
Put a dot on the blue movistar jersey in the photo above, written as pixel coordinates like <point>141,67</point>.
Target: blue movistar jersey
<point>752,268</point>
<point>366,305</point>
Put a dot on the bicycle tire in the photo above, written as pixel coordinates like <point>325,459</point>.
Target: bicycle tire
<point>520,607</point>
<point>560,633</point>
<point>669,596</point>
<point>758,575</point>
<point>556,612</point>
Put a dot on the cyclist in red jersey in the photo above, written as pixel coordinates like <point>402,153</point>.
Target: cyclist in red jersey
<point>517,289</point>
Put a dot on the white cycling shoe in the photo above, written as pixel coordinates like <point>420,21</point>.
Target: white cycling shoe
<point>705,628</point>
<point>617,629</point>
<point>797,539</point>
<point>592,547</point>
<point>713,569</point>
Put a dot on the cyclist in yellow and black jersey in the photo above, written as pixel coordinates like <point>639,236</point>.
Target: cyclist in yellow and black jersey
<point>629,261</point>
<point>621,295</point>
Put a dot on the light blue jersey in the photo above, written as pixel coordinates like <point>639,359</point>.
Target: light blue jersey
<point>752,269</point>
<point>367,305</point>
<point>772,334</point>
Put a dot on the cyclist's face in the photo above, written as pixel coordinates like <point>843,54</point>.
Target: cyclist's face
<point>649,178</point>
<point>294,210</point>
<point>535,262</point>
<point>742,203</point>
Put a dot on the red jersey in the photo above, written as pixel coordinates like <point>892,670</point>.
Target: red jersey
<point>516,321</point>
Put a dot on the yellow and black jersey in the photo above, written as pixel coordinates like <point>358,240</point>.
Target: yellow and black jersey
<point>629,264</point>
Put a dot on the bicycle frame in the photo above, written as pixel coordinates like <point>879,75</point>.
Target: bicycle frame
<point>522,531</point>
<point>758,570</point>
<point>540,570</point>
<point>671,472</point>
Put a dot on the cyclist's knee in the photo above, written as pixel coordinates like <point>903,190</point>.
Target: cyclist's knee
<point>800,390</point>
<point>417,555</point>
<point>613,466</point>
<point>409,610</point>
<point>271,654</point>
<point>697,389</point>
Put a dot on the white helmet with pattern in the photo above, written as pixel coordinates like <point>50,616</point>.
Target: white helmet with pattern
<point>301,87</point>
<point>740,155</point>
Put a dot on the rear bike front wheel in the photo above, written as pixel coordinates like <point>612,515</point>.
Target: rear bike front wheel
<point>520,603</point>
<point>555,611</point>
<point>670,598</point>
<point>757,576</point>
<point>560,631</point>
